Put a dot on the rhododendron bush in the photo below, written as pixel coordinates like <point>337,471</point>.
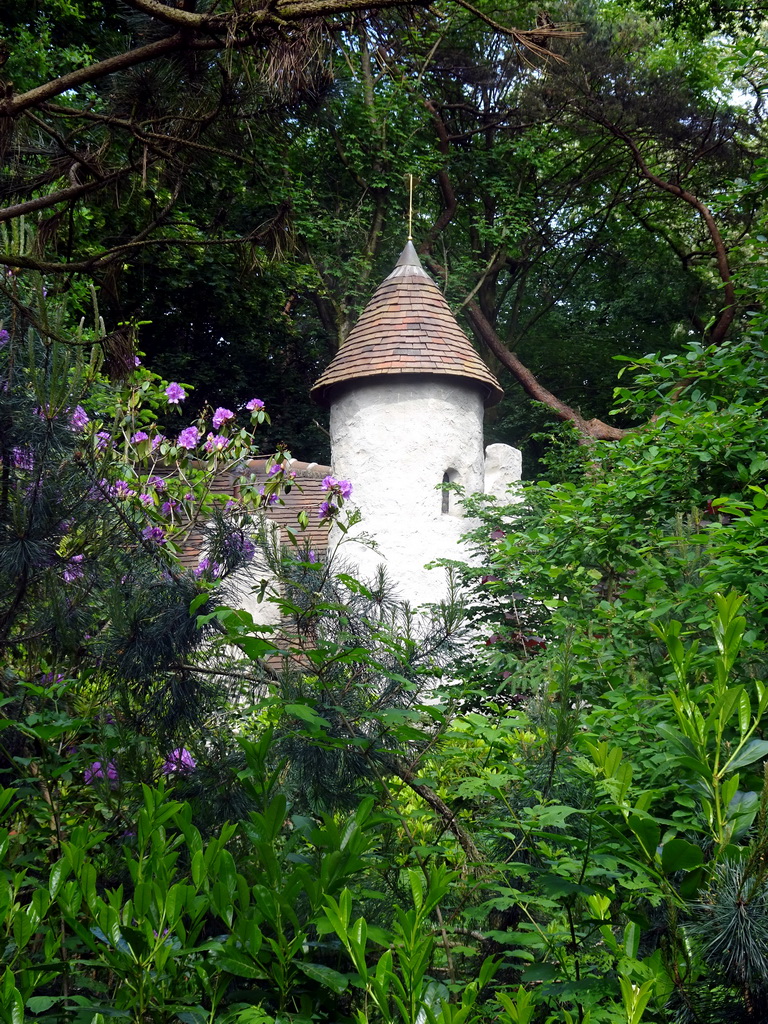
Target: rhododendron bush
<point>543,802</point>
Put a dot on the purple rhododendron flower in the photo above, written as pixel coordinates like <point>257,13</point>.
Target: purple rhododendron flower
<point>146,500</point>
<point>23,459</point>
<point>188,438</point>
<point>326,510</point>
<point>100,771</point>
<point>157,482</point>
<point>311,557</point>
<point>79,418</point>
<point>154,533</point>
<point>179,760</point>
<point>158,440</point>
<point>274,470</point>
<point>221,416</point>
<point>168,506</point>
<point>206,567</point>
<point>270,499</point>
<point>139,436</point>
<point>188,496</point>
<point>102,440</point>
<point>74,570</point>
<point>136,361</point>
<point>4,337</point>
<point>342,487</point>
<point>216,443</point>
<point>255,405</point>
<point>122,490</point>
<point>175,393</point>
<point>238,544</point>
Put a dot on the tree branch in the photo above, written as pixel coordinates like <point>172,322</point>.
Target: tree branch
<point>63,195</point>
<point>16,104</point>
<point>728,311</point>
<point>595,429</point>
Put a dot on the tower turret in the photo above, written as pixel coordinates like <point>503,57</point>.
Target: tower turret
<point>407,393</point>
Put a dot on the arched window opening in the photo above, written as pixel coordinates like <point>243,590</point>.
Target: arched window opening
<point>449,505</point>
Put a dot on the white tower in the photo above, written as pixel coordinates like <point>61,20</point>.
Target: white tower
<point>406,392</point>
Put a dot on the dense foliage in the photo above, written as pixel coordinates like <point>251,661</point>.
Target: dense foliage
<point>210,820</point>
<point>543,802</point>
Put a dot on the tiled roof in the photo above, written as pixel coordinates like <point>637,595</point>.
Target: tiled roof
<point>306,495</point>
<point>406,328</point>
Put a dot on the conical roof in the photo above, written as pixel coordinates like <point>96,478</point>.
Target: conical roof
<point>406,328</point>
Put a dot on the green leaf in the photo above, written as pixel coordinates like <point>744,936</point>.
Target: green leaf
<point>197,602</point>
<point>647,831</point>
<point>556,885</point>
<point>692,882</point>
<point>308,715</point>
<point>39,1004</point>
<point>632,933</point>
<point>680,855</point>
<point>193,1017</point>
<point>234,962</point>
<point>753,751</point>
<point>255,648</point>
<point>325,975</point>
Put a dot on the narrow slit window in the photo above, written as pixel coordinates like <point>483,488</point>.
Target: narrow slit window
<point>446,494</point>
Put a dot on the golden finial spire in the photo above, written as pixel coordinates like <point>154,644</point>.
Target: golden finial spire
<point>410,207</point>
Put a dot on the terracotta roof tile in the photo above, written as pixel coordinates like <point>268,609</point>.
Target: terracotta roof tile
<point>308,494</point>
<point>406,328</point>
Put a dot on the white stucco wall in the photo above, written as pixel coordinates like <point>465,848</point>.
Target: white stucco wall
<point>394,440</point>
<point>503,468</point>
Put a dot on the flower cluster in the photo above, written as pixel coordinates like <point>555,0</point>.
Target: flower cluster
<point>121,490</point>
<point>209,569</point>
<point>175,393</point>
<point>179,760</point>
<point>98,770</point>
<point>216,443</point>
<point>23,459</point>
<point>221,416</point>
<point>339,492</point>
<point>74,569</point>
<point>238,545</point>
<point>188,438</point>
<point>341,487</point>
<point>79,418</point>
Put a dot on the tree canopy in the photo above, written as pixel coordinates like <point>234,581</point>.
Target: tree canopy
<point>585,185</point>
